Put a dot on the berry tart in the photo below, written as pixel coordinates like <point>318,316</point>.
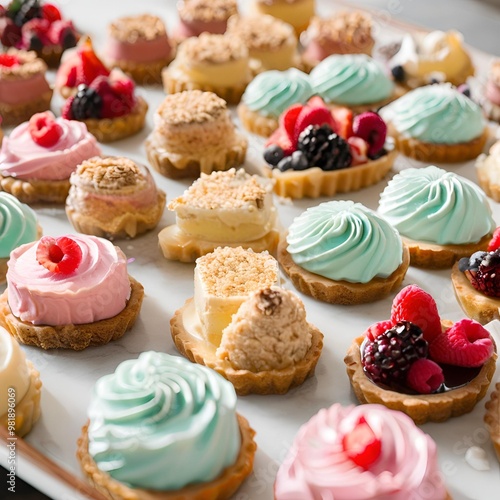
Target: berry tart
<point>163,428</point>
<point>240,324</point>
<point>230,208</point>
<point>488,169</point>
<point>69,292</point>
<point>140,47</point>
<point>39,156</point>
<point>194,134</point>
<point>428,368</point>
<point>24,89</point>
<point>317,151</point>
<point>33,25</point>
<point>440,215</point>
<point>437,123</point>
<point>491,102</point>
<point>113,197</point>
<point>215,63</point>
<point>343,253</point>
<point>492,418</point>
<point>363,452</point>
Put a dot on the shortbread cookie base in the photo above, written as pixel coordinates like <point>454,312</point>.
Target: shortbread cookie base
<point>198,350</point>
<point>15,114</point>
<point>254,122</point>
<point>221,488</point>
<point>422,407</point>
<point>76,337</point>
<point>492,418</point>
<point>341,292</point>
<point>35,190</point>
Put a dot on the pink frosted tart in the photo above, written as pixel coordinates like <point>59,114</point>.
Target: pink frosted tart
<point>69,292</point>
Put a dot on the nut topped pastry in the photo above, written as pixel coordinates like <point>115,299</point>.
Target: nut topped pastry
<point>194,133</point>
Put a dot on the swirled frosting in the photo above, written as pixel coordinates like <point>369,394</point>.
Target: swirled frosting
<point>351,79</point>
<point>23,158</point>
<point>272,92</point>
<point>160,422</point>
<point>343,240</point>
<point>98,289</point>
<point>18,224</point>
<point>431,204</point>
<point>437,114</point>
<point>318,467</point>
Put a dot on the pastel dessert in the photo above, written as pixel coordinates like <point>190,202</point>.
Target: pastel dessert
<point>69,292</point>
<point>436,123</point>
<point>24,89</point>
<point>271,43</point>
<point>113,197</point>
<point>210,62</point>
<point>269,95</point>
<point>247,329</point>
<point>343,253</point>
<point>319,151</point>
<point>298,13</point>
<point>440,215</point>
<point>360,453</point>
<point>161,427</point>
<point>488,171</point>
<point>38,157</point>
<point>194,134</point>
<point>139,46</point>
<point>200,16</point>
<point>492,418</point>
<point>21,382</point>
<point>18,225</point>
<point>33,25</point>
<point>344,32</point>
<point>491,103</point>
<point>230,208</point>
<point>437,56</point>
<point>415,362</point>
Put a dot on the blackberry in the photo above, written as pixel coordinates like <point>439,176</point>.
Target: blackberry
<point>87,103</point>
<point>323,148</point>
<point>22,11</point>
<point>388,358</point>
<point>483,271</point>
<point>398,73</point>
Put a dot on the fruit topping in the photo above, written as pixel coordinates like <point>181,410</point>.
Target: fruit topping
<point>398,73</point>
<point>370,127</point>
<point>9,60</point>
<point>87,103</point>
<point>274,154</point>
<point>425,376</point>
<point>311,116</point>
<point>90,66</point>
<point>35,34</point>
<point>361,445</point>
<point>343,118</point>
<point>62,33</point>
<point>11,35</point>
<point>62,255</point>
<point>281,139</point>
<point>288,119</point>
<point>44,129</point>
<point>359,150</point>
<point>494,243</point>
<point>483,271</point>
<point>378,329</point>
<point>21,11</point>
<point>51,12</point>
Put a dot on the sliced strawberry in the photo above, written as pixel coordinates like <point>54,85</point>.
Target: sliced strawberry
<point>361,445</point>
<point>316,102</point>
<point>343,121</point>
<point>62,255</point>
<point>44,129</point>
<point>467,343</point>
<point>51,12</point>
<point>90,66</point>
<point>378,329</point>
<point>424,376</point>
<point>311,116</point>
<point>288,119</point>
<point>495,240</point>
<point>9,60</point>
<point>370,127</point>
<point>359,150</point>
<point>281,139</point>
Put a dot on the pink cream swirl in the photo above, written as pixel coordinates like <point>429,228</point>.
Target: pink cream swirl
<point>317,467</point>
<point>98,289</point>
<point>23,158</point>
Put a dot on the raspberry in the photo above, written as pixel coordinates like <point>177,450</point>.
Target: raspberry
<point>425,376</point>
<point>9,60</point>
<point>44,129</point>
<point>311,116</point>
<point>378,329</point>
<point>495,240</point>
<point>483,271</point>
<point>361,445</point>
<point>343,118</point>
<point>370,127</point>
<point>114,103</point>
<point>62,255</point>
<point>51,13</point>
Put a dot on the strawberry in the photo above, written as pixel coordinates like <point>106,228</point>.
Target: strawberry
<point>370,127</point>
<point>35,33</point>
<point>288,119</point>
<point>316,102</point>
<point>311,116</point>
<point>467,343</point>
<point>417,306</point>
<point>281,139</point>
<point>377,329</point>
<point>44,129</point>
<point>494,243</point>
<point>343,118</point>
<point>51,13</point>
<point>62,255</point>
<point>90,66</point>
<point>62,33</point>
<point>361,445</point>
<point>359,150</point>
<point>424,376</point>
<point>9,60</point>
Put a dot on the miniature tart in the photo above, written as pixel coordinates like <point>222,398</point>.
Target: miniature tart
<point>343,253</point>
<point>39,156</point>
<point>428,368</point>
<point>139,46</point>
<point>181,437</point>
<point>492,418</point>
<point>194,134</point>
<point>488,171</point>
<point>271,43</point>
<point>113,197</point>
<point>362,453</point>
<point>298,13</point>
<point>69,292</point>
<point>440,215</point>
<point>24,89</point>
<point>23,380</point>
<point>230,208</point>
<point>436,123</point>
<point>215,63</point>
<point>425,58</point>
<point>491,103</point>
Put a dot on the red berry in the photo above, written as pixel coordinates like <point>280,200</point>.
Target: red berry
<point>359,150</point>
<point>361,445</point>
<point>51,13</point>
<point>9,60</point>
<point>90,66</point>
<point>61,32</point>
<point>343,118</point>
<point>281,139</point>
<point>62,255</point>
<point>66,109</point>
<point>35,33</point>
<point>495,240</point>
<point>484,273</point>
<point>11,35</point>
<point>288,119</point>
<point>425,376</point>
<point>378,329</point>
<point>311,116</point>
<point>44,129</point>
<point>370,127</point>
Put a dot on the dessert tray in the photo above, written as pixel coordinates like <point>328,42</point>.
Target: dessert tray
<point>68,376</point>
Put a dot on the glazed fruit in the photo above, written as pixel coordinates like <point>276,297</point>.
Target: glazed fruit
<point>44,129</point>
<point>483,271</point>
<point>494,243</point>
<point>9,60</point>
<point>361,445</point>
<point>425,376</point>
<point>87,103</point>
<point>61,256</point>
<point>370,127</point>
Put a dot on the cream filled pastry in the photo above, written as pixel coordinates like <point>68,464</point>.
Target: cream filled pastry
<point>162,426</point>
<point>295,12</point>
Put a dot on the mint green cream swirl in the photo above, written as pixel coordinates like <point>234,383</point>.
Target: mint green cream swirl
<point>18,224</point>
<point>436,114</point>
<point>433,205</point>
<point>160,422</point>
<point>343,240</point>
<point>272,92</point>
<point>351,80</point>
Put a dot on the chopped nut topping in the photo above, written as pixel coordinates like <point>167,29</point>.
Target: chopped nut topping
<point>269,301</point>
<point>213,49</point>
<point>207,10</point>
<point>131,29</point>
<point>30,65</point>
